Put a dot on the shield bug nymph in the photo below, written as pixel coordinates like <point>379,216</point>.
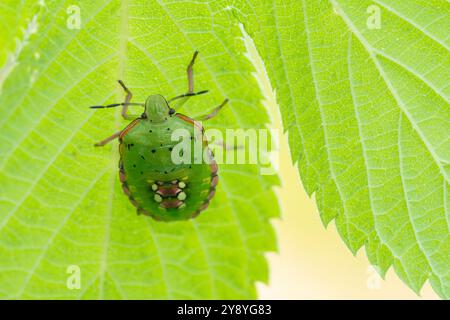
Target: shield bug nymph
<point>156,185</point>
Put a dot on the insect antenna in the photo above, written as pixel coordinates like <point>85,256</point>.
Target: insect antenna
<point>117,104</point>
<point>189,94</point>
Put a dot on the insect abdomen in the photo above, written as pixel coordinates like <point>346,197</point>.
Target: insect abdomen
<point>157,186</point>
<point>179,195</point>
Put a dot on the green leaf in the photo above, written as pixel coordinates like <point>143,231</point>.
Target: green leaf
<point>367,111</point>
<point>15,32</point>
<point>60,199</point>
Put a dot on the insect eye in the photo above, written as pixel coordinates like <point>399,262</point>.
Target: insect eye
<point>144,116</point>
<point>171,111</point>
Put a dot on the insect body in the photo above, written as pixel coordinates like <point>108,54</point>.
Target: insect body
<point>157,185</point>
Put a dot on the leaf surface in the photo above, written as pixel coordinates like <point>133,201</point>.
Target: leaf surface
<point>368,116</point>
<point>61,202</point>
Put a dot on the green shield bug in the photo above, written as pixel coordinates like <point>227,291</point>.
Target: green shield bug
<point>155,184</point>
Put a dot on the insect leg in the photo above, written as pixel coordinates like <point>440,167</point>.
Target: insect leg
<point>226,146</point>
<point>190,73</point>
<point>125,115</point>
<point>124,105</point>
<point>214,112</point>
<point>105,141</point>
